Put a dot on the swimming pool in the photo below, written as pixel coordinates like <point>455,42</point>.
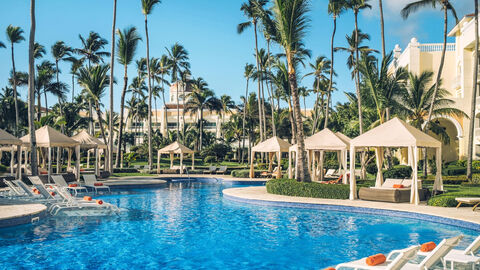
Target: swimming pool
<point>190,226</point>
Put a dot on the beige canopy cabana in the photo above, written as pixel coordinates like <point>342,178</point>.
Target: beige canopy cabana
<point>316,145</point>
<point>48,137</point>
<point>175,148</point>
<point>396,133</point>
<point>10,140</point>
<point>272,146</point>
<point>88,142</point>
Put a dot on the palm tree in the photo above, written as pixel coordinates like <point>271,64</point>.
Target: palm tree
<point>38,50</point>
<point>200,99</point>
<point>178,57</point>
<point>127,45</point>
<point>445,6</point>
<point>45,74</point>
<point>31,89</point>
<point>60,52</point>
<point>15,35</point>
<point>382,27</point>
<point>227,106</point>
<point>94,80</point>
<point>356,6</point>
<point>147,8</point>
<point>112,64</point>
<point>291,21</point>
<point>76,64</point>
<point>248,73</point>
<point>254,11</point>
<point>320,68</point>
<point>335,8</point>
<point>91,47</point>
<point>474,97</point>
<point>164,66</point>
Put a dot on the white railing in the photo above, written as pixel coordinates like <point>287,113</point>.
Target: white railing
<point>436,47</point>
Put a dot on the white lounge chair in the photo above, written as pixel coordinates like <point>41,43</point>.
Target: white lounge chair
<point>211,169</point>
<point>330,173</point>
<point>396,264</point>
<point>91,182</point>
<point>60,181</point>
<point>14,190</point>
<point>436,255</point>
<point>471,201</point>
<point>221,170</point>
<point>74,206</point>
<point>465,256</point>
<point>38,184</point>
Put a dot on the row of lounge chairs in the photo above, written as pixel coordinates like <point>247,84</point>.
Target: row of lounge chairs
<point>414,258</point>
<point>58,197</point>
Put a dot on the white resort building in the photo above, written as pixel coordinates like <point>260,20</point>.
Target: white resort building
<point>166,119</point>
<point>457,78</point>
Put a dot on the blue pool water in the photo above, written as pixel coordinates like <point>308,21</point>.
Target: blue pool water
<point>190,226</point>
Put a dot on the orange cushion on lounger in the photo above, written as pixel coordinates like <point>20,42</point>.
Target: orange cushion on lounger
<point>36,191</point>
<point>98,184</point>
<point>329,268</point>
<point>429,246</point>
<point>376,259</point>
<point>72,185</point>
<point>99,201</point>
<point>87,198</point>
<point>43,172</point>
<point>52,193</point>
<point>398,186</point>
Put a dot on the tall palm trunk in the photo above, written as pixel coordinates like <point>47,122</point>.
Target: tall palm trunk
<point>437,81</point>
<point>15,96</point>
<point>31,91</point>
<point>73,86</point>
<point>359,96</point>
<point>260,119</point>
<point>474,97</point>
<point>164,107</point>
<point>315,116</point>
<point>244,119</point>
<point>100,121</point>
<point>39,105</point>
<point>270,91</point>
<point>301,167</point>
<point>112,64</point>
<point>382,27</point>
<point>59,149</point>
<point>291,116</point>
<point>122,108</point>
<point>149,124</point>
<point>330,83</point>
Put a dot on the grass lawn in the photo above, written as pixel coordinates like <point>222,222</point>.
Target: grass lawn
<point>131,174</point>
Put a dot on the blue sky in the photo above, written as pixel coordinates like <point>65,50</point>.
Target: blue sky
<point>207,28</point>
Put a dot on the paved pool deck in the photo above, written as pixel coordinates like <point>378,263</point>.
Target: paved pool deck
<point>463,216</point>
<point>17,214</point>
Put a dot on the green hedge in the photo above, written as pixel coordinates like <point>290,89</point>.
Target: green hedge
<point>125,170</point>
<point>454,170</point>
<point>291,187</point>
<point>3,168</point>
<point>442,201</point>
<point>240,173</point>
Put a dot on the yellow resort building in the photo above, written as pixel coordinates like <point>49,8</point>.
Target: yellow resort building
<point>457,78</point>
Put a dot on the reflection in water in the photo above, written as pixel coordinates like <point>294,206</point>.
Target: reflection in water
<point>189,225</point>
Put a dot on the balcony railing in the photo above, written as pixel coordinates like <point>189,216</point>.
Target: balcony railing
<point>436,47</point>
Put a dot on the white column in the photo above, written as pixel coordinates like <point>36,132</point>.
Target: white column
<point>77,163</point>
<point>88,159</point>
<point>49,163</point>
<point>12,160</point>
<point>290,174</point>
<point>97,171</point>
<point>252,171</point>
<point>322,159</point>
<point>379,161</point>
<point>414,198</point>
<point>181,163</point>
<point>279,157</point>
<point>193,161</point>
<point>158,162</point>
<point>353,181</point>
<point>438,185</point>
<point>59,154</point>
<point>344,165</point>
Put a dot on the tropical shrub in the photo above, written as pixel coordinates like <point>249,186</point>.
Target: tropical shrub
<point>398,172</point>
<point>210,159</point>
<point>241,173</point>
<point>217,150</point>
<point>290,187</point>
<point>454,170</point>
<point>442,201</point>
<point>125,170</point>
<point>3,168</point>
<point>372,168</point>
